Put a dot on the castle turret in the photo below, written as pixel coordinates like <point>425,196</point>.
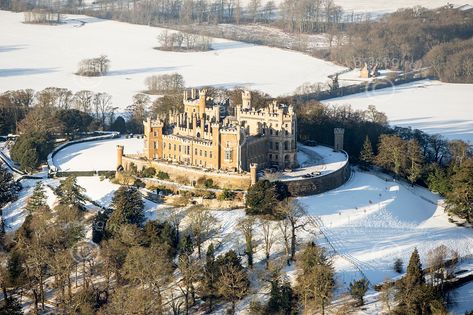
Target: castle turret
<point>246,99</point>
<point>120,150</point>
<point>338,139</point>
<point>253,173</point>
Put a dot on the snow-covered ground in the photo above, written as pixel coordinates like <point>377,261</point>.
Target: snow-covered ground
<point>39,56</point>
<point>318,159</point>
<point>373,220</point>
<point>377,7</point>
<point>462,299</point>
<point>95,155</point>
<point>432,106</point>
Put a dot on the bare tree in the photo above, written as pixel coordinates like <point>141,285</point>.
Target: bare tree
<point>269,239</point>
<point>102,106</point>
<point>83,100</point>
<point>201,224</point>
<point>246,226</point>
<point>292,212</point>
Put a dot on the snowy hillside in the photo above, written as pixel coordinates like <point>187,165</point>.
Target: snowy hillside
<point>39,56</point>
<point>431,106</point>
<point>380,7</point>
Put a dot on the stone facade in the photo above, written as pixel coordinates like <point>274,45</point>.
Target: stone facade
<point>205,136</point>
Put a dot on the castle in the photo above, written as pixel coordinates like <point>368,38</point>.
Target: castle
<point>205,136</point>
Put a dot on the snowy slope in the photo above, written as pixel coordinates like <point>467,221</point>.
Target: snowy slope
<point>95,155</point>
<point>39,56</point>
<point>376,7</point>
<point>432,106</point>
<point>375,221</point>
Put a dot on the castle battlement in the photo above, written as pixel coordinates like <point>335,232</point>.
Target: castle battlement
<point>202,135</point>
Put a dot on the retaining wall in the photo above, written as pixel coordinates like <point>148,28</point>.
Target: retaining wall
<point>319,184</point>
<point>189,174</point>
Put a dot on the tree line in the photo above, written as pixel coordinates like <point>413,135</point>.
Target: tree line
<point>42,117</point>
<point>411,39</point>
<point>445,166</point>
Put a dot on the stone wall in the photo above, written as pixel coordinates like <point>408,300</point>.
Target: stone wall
<point>320,184</point>
<point>190,174</point>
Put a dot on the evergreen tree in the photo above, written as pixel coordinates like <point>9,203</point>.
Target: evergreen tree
<point>460,198</point>
<point>366,155</point>
<point>209,279</point>
<point>439,179</point>
<point>70,193</point>
<point>414,156</point>
<point>8,187</point>
<point>10,306</point>
<point>414,273</point>
<point>186,247</point>
<point>38,199</point>
<point>281,300</point>
<point>128,209</point>
<point>263,197</point>
<point>315,279</point>
<point>358,290</point>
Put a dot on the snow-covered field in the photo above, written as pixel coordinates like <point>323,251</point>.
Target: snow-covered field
<point>39,56</point>
<point>95,155</point>
<point>431,106</point>
<point>374,221</point>
<point>380,7</point>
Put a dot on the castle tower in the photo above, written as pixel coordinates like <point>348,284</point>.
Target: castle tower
<point>253,168</point>
<point>120,149</point>
<point>246,100</point>
<point>202,100</point>
<point>338,139</point>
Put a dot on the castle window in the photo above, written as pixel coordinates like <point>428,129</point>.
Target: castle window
<point>270,156</point>
<point>276,157</point>
<point>196,152</point>
<point>155,133</point>
<point>205,153</point>
<point>228,154</point>
<point>200,152</point>
<point>286,145</point>
<point>271,131</point>
<point>174,147</point>
<point>179,148</point>
<point>277,145</point>
<point>169,146</point>
<point>210,154</point>
<point>270,145</point>
<point>287,133</point>
<point>277,133</point>
<point>155,145</point>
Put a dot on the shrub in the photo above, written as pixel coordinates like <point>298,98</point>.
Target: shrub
<point>226,195</point>
<point>358,290</point>
<point>398,265</point>
<point>206,194</point>
<point>205,182</point>
<point>148,172</point>
<point>162,175</point>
